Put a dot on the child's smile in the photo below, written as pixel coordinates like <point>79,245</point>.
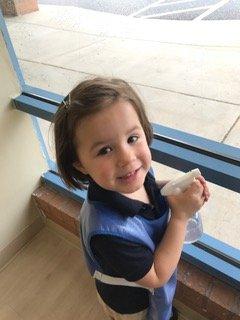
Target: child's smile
<point>112,148</point>
<point>129,176</point>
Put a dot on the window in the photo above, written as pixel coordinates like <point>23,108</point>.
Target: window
<point>187,74</point>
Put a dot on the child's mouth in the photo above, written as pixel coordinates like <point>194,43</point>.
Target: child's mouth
<point>130,176</point>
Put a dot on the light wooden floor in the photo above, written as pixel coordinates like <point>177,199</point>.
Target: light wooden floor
<point>48,280</point>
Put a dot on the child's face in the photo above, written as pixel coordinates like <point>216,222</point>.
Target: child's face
<point>112,148</point>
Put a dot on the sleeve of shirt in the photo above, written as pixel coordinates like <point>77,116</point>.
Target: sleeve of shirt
<point>121,258</point>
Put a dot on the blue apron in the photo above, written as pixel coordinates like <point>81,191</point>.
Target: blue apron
<point>98,219</point>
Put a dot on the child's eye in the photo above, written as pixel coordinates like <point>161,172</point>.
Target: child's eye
<point>133,139</point>
<point>104,150</point>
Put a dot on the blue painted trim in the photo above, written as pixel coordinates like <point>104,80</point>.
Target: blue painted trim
<point>224,171</point>
<point>220,249</point>
<point>36,107</point>
<point>54,181</point>
<point>11,50</point>
<point>212,265</point>
<point>53,166</point>
<point>214,170</point>
<point>37,93</point>
<point>175,137</point>
<point>197,142</point>
<point>161,133</point>
<point>42,143</point>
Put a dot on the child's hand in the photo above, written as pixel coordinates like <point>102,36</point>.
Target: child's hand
<point>184,205</point>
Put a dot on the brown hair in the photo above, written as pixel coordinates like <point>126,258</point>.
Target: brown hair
<point>88,97</point>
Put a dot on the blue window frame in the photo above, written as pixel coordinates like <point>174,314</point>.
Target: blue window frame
<point>219,164</point>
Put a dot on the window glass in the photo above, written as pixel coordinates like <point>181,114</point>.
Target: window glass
<point>184,63</point>
<point>182,58</point>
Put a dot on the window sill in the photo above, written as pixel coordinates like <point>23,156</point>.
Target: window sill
<point>197,290</point>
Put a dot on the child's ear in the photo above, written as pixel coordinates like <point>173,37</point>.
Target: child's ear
<point>78,166</point>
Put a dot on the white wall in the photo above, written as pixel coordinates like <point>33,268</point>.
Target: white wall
<point>21,161</point>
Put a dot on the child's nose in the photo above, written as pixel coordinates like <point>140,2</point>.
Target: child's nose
<point>125,156</point>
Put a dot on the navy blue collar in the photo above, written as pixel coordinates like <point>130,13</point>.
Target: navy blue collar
<point>129,207</point>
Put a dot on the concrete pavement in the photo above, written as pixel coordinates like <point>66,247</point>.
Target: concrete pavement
<point>188,74</point>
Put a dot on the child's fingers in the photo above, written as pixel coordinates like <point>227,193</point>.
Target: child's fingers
<point>206,192</point>
<point>207,196</point>
<point>202,180</point>
<point>196,187</point>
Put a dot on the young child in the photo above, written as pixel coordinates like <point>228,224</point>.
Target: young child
<point>102,138</point>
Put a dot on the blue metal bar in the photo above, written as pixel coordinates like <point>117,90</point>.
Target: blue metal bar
<point>212,265</point>
<point>40,138</point>
<point>161,133</point>
<point>220,249</point>
<point>220,166</point>
<point>214,170</point>
<point>196,142</point>
<point>53,180</point>
<point>42,94</point>
<point>36,107</point>
<point>53,166</point>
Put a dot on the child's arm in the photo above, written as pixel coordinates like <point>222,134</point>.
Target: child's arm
<point>168,252</point>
